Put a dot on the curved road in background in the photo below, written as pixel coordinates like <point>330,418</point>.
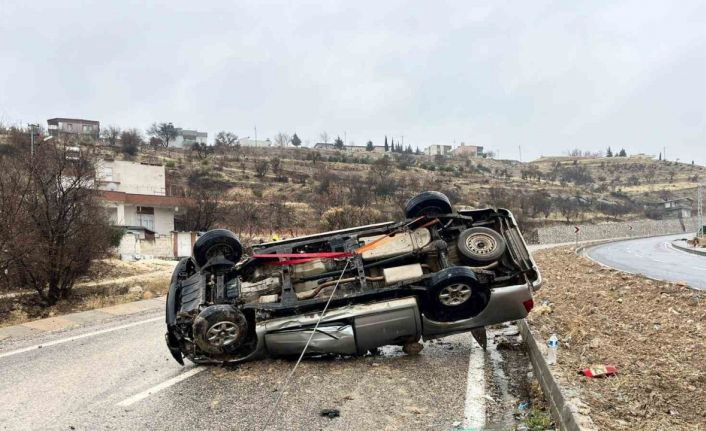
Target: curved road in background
<point>654,257</point>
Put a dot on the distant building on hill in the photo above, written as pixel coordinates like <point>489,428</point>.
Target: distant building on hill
<point>468,150</point>
<point>438,150</point>
<point>669,209</point>
<point>186,138</point>
<point>351,148</point>
<point>76,127</point>
<point>249,142</point>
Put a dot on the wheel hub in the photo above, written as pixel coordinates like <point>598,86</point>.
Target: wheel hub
<point>481,243</point>
<point>455,294</point>
<point>223,333</point>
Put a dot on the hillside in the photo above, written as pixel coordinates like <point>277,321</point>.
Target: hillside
<point>298,190</point>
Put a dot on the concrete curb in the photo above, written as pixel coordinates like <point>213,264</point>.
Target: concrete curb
<point>564,411</point>
<point>66,321</point>
<point>688,249</point>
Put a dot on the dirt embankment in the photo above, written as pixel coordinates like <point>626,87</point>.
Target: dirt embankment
<point>654,332</point>
<point>109,282</point>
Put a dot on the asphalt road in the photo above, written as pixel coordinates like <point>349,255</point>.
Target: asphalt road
<point>118,375</point>
<point>654,257</point>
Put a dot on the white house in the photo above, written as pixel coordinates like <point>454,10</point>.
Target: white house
<point>438,150</point>
<point>186,138</point>
<point>135,197</point>
<point>249,142</point>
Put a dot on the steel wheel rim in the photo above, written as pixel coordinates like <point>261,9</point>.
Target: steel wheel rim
<point>455,294</point>
<point>223,333</point>
<point>481,243</point>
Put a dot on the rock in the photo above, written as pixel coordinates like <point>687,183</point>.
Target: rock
<point>412,348</point>
<point>542,309</point>
<point>135,289</point>
<point>330,413</point>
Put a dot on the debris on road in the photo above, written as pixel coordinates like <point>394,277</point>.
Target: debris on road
<point>330,413</point>
<point>599,371</point>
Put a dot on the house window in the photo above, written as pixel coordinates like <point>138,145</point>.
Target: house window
<point>108,173</point>
<point>145,217</point>
<point>87,128</point>
<point>69,126</point>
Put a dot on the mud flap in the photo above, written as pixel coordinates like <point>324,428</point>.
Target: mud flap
<point>480,336</point>
<point>173,346</point>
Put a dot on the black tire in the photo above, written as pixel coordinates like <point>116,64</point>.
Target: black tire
<point>481,245</point>
<point>220,329</point>
<point>428,203</point>
<point>215,242</point>
<point>454,294</point>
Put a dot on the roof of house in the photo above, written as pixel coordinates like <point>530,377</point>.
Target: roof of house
<point>78,120</point>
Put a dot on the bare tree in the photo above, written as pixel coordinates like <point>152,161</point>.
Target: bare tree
<point>166,132</point>
<point>130,141</point>
<point>324,137</point>
<point>63,226</point>
<point>381,167</point>
<point>202,150</point>
<point>281,139</point>
<point>203,204</point>
<point>226,139</point>
<point>276,165</point>
<point>261,167</point>
<point>111,134</point>
<point>296,141</point>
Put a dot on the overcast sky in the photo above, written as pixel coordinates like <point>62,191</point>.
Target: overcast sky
<point>547,76</point>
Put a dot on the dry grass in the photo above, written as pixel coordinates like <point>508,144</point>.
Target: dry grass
<point>652,331</point>
<point>18,310</point>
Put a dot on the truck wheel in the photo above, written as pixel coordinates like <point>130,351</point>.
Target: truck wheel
<point>481,245</point>
<point>428,203</point>
<point>220,329</point>
<point>215,242</point>
<point>454,294</point>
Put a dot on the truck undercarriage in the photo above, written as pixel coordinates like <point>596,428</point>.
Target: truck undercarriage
<point>435,273</point>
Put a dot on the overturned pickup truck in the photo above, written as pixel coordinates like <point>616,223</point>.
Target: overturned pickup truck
<point>436,273</point>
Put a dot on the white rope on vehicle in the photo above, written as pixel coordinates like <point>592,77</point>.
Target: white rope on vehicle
<point>306,346</point>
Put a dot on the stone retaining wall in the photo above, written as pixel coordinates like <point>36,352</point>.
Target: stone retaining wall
<point>637,228</point>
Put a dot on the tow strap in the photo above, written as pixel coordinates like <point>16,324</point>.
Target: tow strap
<point>297,258</point>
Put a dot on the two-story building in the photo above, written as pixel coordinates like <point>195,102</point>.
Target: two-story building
<point>135,197</point>
<point>438,150</point>
<point>468,150</point>
<point>678,208</point>
<point>73,127</point>
<point>186,138</point>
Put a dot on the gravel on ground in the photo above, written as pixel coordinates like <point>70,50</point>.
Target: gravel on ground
<point>653,331</point>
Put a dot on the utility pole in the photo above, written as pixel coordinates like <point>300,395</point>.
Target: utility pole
<point>32,128</point>
<point>256,136</point>
<point>700,211</point>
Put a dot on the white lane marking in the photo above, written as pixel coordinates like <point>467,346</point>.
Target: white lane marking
<point>474,409</point>
<point>77,337</point>
<point>164,385</point>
